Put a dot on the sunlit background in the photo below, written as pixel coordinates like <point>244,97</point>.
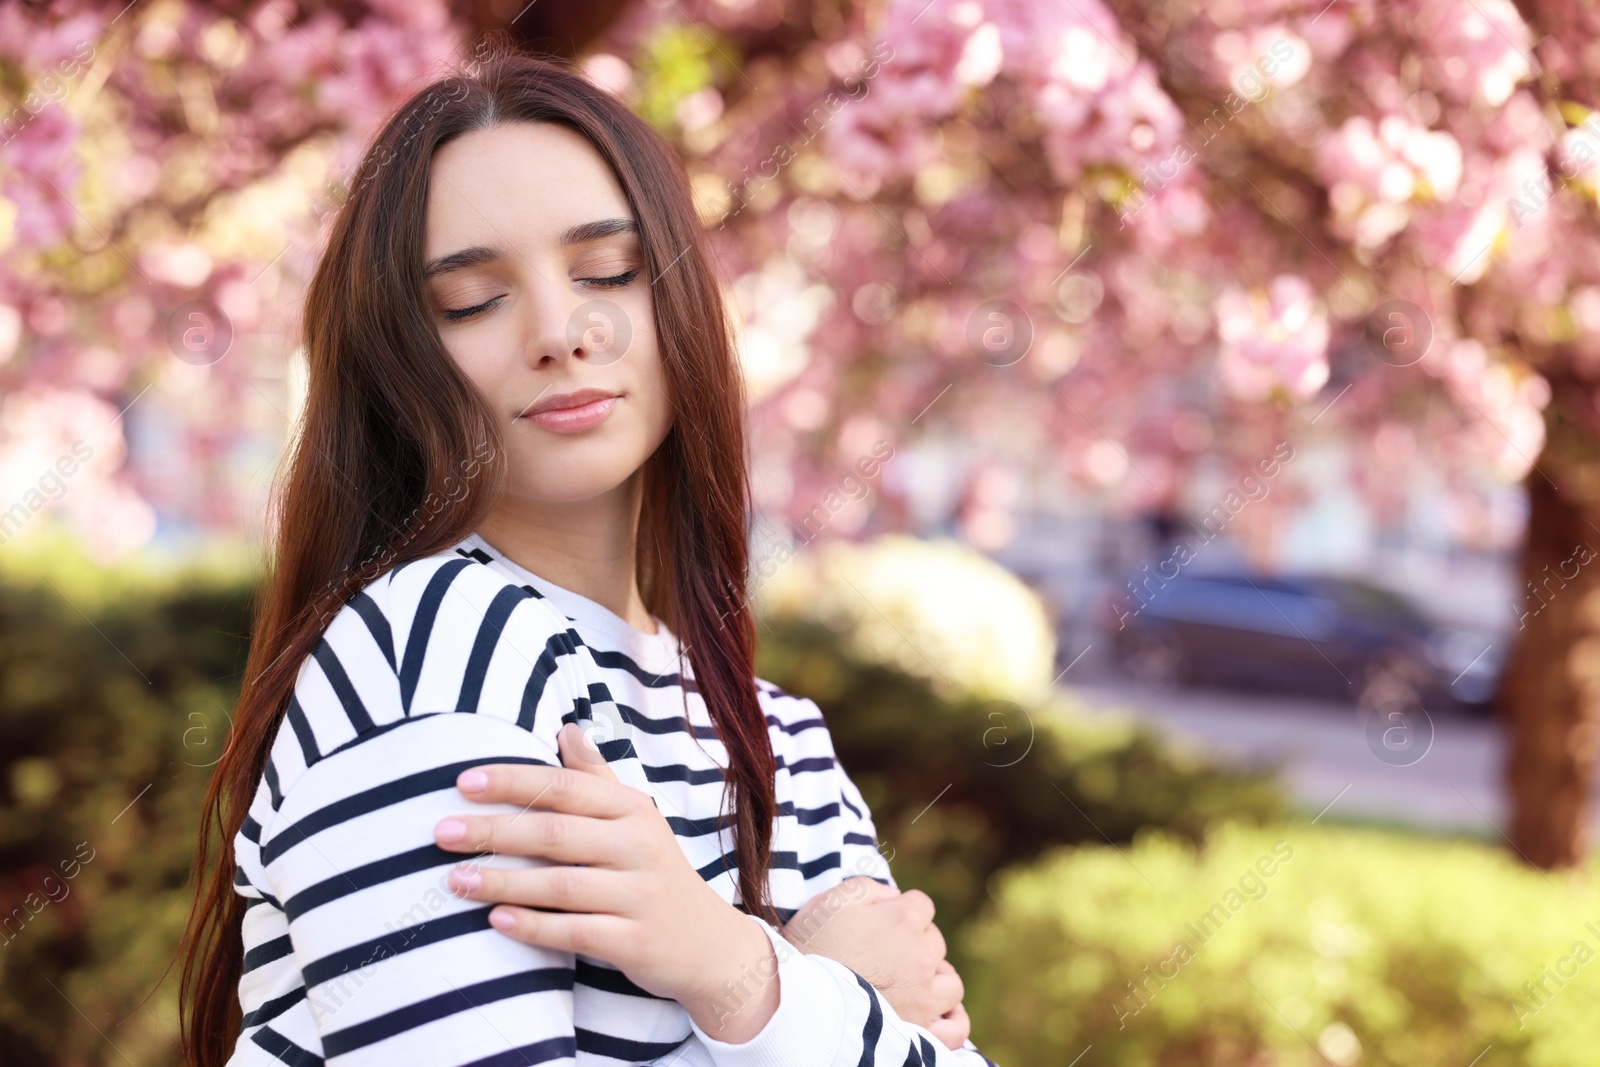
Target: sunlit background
<point>1176,448</point>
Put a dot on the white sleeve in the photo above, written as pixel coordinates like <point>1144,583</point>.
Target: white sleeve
<point>398,970</point>
<point>859,850</point>
<point>829,1016</point>
<point>835,838</point>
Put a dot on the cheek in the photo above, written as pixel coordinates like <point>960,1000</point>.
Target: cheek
<point>659,413</point>
<point>478,356</point>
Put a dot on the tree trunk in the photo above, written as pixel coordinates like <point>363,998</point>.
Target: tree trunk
<point>564,27</point>
<point>1550,694</point>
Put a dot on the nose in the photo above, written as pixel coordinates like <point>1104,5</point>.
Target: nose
<point>547,320</point>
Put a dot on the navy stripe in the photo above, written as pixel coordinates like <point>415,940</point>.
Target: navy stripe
<point>267,951</point>
<point>240,881</point>
<point>815,816</point>
<point>860,839</point>
<point>422,628</point>
<point>650,679</point>
<point>378,731</point>
<point>781,861</point>
<point>485,558</point>
<point>874,1028</point>
<point>676,724</point>
<point>792,728</point>
<point>682,827</point>
<point>465,998</point>
<point>370,800</point>
<point>429,932</point>
<point>376,622</point>
<point>608,979</point>
<point>483,646</point>
<point>251,829</point>
<point>612,751</point>
<point>562,644</point>
<point>342,686</point>
<point>284,1049</point>
<point>677,772</point>
<point>273,790</point>
<point>554,1048</point>
<point>820,865</point>
<point>813,763</point>
<point>367,875</point>
<point>302,731</point>
<point>621,1048</point>
<point>274,1008</point>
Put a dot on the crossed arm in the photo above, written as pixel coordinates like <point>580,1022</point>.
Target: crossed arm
<point>634,901</point>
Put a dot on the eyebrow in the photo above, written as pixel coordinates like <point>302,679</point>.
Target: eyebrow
<point>478,255</point>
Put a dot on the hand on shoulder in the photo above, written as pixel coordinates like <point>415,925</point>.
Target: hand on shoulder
<point>618,887</point>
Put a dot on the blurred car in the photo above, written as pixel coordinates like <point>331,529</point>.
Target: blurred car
<point>1315,634</point>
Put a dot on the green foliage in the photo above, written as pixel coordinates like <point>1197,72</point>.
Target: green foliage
<point>1359,946</point>
<point>677,62</point>
<point>115,687</point>
<point>1005,780</point>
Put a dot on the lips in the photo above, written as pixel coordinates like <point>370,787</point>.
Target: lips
<point>572,412</point>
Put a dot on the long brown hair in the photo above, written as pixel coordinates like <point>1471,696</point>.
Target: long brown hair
<point>387,461</point>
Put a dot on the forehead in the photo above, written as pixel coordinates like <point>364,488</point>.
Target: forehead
<point>520,181</point>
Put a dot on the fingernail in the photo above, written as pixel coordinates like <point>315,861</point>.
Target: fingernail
<point>465,879</point>
<point>450,830</point>
<point>501,920</point>
<point>472,781</point>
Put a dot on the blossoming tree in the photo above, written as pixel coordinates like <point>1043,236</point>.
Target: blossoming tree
<point>1121,234</point>
<point>1124,234</point>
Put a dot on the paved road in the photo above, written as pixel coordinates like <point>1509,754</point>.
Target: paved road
<point>1454,785</point>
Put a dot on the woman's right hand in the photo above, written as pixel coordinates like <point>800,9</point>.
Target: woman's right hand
<point>617,886</point>
<point>889,939</point>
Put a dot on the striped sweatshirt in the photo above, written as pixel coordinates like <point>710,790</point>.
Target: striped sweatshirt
<point>356,952</point>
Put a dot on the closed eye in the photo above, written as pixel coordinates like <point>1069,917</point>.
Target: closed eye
<point>456,314</point>
<point>616,281</point>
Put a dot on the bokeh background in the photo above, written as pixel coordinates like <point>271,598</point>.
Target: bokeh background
<point>1175,438</point>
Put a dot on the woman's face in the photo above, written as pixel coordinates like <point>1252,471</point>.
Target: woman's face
<point>537,282</point>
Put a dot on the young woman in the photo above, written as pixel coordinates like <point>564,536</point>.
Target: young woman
<point>503,788</point>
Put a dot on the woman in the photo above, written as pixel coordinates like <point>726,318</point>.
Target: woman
<point>514,521</point>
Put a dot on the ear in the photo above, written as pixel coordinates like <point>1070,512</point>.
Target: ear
<point>580,754</point>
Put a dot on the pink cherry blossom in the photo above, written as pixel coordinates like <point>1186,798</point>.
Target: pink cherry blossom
<point>1273,339</point>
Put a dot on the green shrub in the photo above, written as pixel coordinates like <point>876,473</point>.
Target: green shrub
<point>1358,947</point>
<point>115,687</point>
<point>934,609</point>
<point>1005,781</point>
